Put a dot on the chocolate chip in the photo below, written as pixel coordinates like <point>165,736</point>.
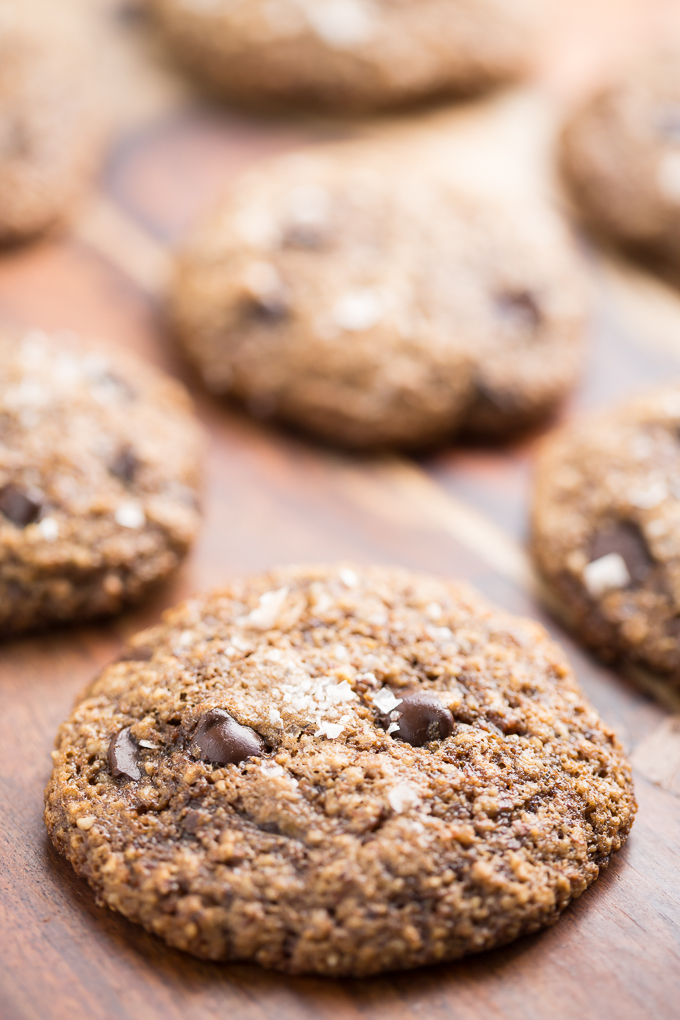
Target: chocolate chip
<point>626,539</point>
<point>123,755</point>
<point>270,307</point>
<point>223,741</point>
<point>521,308</point>
<point>421,718</point>
<point>304,235</point>
<point>125,465</point>
<point>139,653</point>
<point>19,506</point>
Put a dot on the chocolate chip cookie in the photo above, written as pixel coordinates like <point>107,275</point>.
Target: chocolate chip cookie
<point>354,291</point>
<point>621,158</point>
<point>606,508</point>
<point>98,480</point>
<point>50,126</point>
<point>340,771</point>
<point>348,55</point>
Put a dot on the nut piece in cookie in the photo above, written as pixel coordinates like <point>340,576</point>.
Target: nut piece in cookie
<point>606,506</point>
<point>99,462</point>
<point>348,55</point>
<point>358,294</point>
<point>300,770</point>
<point>620,155</point>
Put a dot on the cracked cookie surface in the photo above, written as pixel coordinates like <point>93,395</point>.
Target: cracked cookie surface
<point>340,771</point>
<point>98,480</point>
<point>356,292</point>
<point>606,508</point>
<point>349,55</point>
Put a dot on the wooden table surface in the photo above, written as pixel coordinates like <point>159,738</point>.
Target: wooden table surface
<point>273,498</point>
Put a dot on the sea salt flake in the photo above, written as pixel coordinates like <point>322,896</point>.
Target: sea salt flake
<point>274,715</point>
<point>357,310</point>
<point>385,700</point>
<point>342,24</point>
<point>668,176</point>
<point>647,499</point>
<point>438,633</point>
<point>147,743</point>
<point>348,577</point>
<point>402,797</point>
<point>606,574</point>
<point>49,529</point>
<point>329,729</point>
<point>267,613</point>
<point>340,693</point>
<point>130,515</point>
<point>392,728</point>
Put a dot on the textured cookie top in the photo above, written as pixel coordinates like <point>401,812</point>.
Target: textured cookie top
<point>340,771</point>
<point>349,54</point>
<point>355,291</point>
<point>50,124</point>
<point>606,516</point>
<point>621,154</point>
<point>98,478</point>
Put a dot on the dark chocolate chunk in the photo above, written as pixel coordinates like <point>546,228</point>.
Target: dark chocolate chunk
<point>626,539</point>
<point>271,307</point>
<point>421,718</point>
<point>125,465</point>
<point>223,741</point>
<point>123,755</point>
<point>520,308</point>
<point>19,506</point>
<point>136,653</point>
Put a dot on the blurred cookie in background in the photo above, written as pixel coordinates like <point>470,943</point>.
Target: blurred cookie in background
<point>348,55</point>
<point>51,129</point>
<point>605,529</point>
<point>356,292</point>
<point>99,466</point>
<point>620,156</point>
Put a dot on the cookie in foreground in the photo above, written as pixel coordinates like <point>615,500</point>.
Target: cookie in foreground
<point>338,771</point>
<point>99,459</point>
<point>349,55</point>
<point>606,505</point>
<point>356,292</point>
<point>620,156</point>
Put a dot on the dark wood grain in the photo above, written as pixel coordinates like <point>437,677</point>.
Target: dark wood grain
<point>273,498</point>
